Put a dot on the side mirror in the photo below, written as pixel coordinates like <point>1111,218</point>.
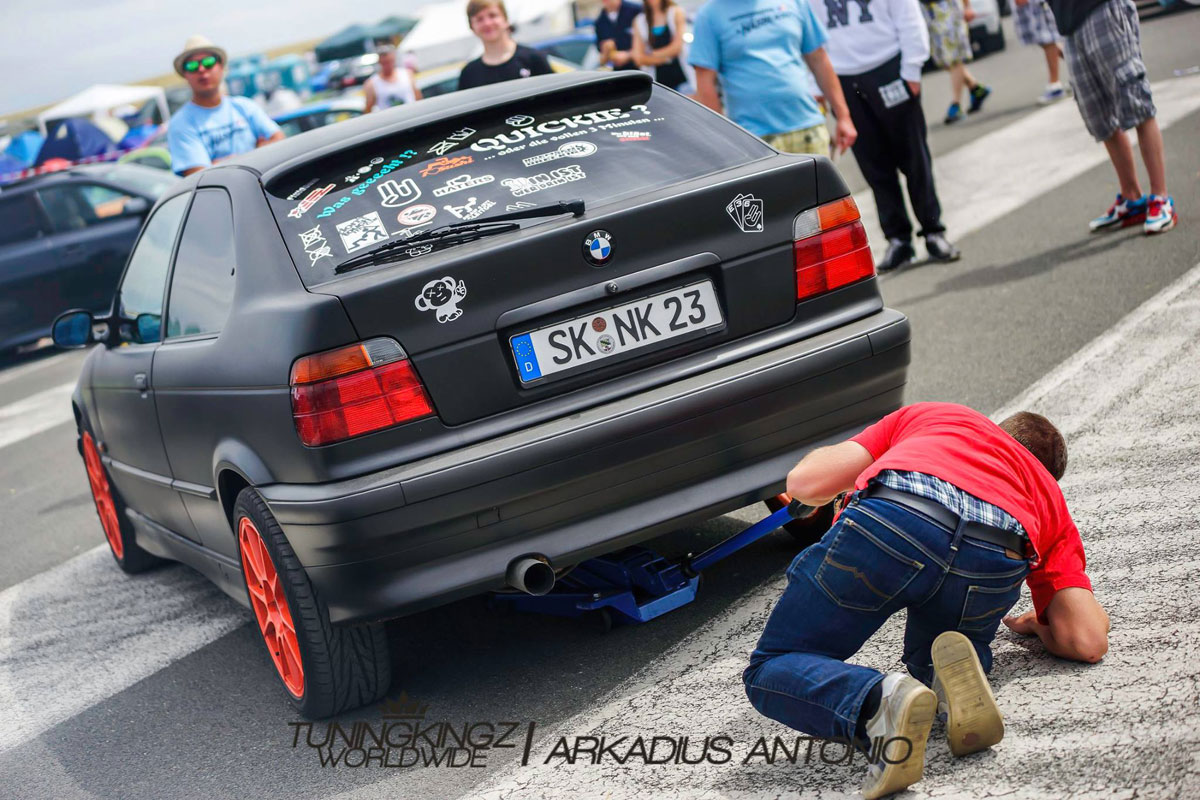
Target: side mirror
<point>149,328</point>
<point>73,329</point>
<point>136,207</point>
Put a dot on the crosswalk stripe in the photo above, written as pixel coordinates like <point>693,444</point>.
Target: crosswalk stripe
<point>36,413</point>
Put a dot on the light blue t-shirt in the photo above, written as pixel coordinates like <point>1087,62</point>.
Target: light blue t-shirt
<point>198,136</point>
<point>756,46</point>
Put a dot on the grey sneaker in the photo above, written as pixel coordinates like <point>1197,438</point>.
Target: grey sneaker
<point>905,713</point>
<point>973,720</point>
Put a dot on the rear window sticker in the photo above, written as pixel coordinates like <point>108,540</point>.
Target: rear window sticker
<point>746,211</point>
<point>361,189</point>
<point>543,180</point>
<point>439,165</point>
<point>419,250</point>
<point>517,206</point>
<point>460,182</point>
<point>543,129</point>
<point>314,244</point>
<point>575,149</point>
<point>519,121</point>
<point>296,194</point>
<point>631,136</point>
<point>395,195</point>
<point>362,231</point>
<point>416,215</point>
<point>310,200</point>
<point>452,141</point>
<point>442,296</point>
<point>470,209</point>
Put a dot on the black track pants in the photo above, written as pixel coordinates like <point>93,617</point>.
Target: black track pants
<point>892,140</point>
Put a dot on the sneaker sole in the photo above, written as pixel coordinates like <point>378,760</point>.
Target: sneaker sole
<point>915,718</point>
<point>1124,222</point>
<point>974,722</point>
<point>1165,228</point>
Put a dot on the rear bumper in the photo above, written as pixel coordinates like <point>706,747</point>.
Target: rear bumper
<point>446,527</point>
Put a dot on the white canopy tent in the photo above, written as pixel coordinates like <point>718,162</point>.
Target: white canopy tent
<point>443,35</point>
<point>98,100</point>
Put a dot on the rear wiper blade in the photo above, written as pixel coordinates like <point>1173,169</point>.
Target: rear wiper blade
<point>459,232</point>
<point>448,234</point>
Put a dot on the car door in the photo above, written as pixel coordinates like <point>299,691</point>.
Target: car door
<point>27,271</point>
<point>121,377</point>
<point>91,234</point>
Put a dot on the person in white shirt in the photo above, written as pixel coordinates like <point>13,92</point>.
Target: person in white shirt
<point>877,48</point>
<point>390,86</point>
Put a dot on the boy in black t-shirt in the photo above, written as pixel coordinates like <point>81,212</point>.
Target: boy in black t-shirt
<point>503,59</point>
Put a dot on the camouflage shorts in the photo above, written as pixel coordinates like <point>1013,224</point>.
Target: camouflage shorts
<point>813,141</point>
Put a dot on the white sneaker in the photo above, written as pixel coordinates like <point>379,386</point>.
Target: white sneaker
<point>905,713</point>
<point>973,720</point>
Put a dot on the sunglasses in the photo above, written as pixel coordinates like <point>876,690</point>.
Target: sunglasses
<point>208,62</point>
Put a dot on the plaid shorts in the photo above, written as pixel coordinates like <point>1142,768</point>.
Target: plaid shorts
<point>1105,58</point>
<point>813,141</point>
<point>1035,23</point>
<point>949,37</point>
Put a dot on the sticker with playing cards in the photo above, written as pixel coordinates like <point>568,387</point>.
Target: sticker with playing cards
<point>746,211</point>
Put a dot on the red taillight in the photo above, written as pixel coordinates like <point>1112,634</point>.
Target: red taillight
<point>355,390</point>
<point>831,249</point>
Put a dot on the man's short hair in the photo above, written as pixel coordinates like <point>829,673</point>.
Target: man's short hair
<point>1039,436</point>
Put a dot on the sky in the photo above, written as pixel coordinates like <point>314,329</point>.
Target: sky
<point>83,42</point>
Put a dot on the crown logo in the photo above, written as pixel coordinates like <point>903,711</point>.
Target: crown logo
<point>404,707</point>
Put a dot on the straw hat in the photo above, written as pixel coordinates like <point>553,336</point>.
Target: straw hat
<point>196,44</point>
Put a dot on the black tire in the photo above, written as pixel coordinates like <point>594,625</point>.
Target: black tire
<point>344,666</point>
<point>132,559</point>
<point>810,529</point>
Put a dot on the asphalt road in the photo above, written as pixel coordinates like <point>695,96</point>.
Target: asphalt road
<point>157,687</point>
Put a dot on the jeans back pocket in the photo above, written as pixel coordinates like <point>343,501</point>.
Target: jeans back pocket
<point>860,572</point>
<point>984,606</point>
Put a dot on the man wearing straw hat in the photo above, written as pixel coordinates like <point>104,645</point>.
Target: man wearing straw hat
<point>212,126</point>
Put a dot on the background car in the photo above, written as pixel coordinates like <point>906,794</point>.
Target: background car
<point>577,48</point>
<point>341,411</point>
<point>320,114</point>
<point>987,35</point>
<point>64,238</point>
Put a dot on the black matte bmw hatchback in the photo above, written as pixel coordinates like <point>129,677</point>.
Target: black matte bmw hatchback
<point>363,371</point>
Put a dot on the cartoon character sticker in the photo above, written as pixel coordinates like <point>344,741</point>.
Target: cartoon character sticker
<point>361,231</point>
<point>442,296</point>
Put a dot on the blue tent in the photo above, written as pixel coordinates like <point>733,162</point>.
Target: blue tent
<point>10,164</point>
<point>25,146</point>
<point>74,139</point>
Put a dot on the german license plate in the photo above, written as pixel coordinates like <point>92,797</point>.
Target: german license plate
<point>606,334</point>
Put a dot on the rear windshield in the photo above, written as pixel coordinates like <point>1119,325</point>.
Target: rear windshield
<point>600,148</point>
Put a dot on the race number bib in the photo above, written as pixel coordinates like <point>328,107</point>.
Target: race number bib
<point>893,94</point>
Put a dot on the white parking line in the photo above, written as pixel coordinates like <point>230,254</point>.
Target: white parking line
<point>79,633</point>
<point>9,375</point>
<point>1128,404</point>
<point>1048,147</point>
<point>35,413</point>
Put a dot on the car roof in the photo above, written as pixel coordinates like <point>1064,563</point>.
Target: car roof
<point>59,176</point>
<point>282,156</point>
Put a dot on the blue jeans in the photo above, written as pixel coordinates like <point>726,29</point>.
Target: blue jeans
<point>877,559</point>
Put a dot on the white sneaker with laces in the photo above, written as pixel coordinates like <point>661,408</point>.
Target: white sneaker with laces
<point>902,723</point>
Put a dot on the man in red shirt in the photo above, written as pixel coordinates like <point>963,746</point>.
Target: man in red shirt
<point>950,513</point>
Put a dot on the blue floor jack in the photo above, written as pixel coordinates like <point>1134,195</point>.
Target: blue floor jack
<point>636,584</point>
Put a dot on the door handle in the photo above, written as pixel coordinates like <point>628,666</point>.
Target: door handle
<point>141,382</point>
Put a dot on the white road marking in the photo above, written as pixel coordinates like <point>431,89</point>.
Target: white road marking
<point>9,375</point>
<point>1128,403</point>
<point>35,413</point>
<point>77,634</point>
<point>1048,147</point>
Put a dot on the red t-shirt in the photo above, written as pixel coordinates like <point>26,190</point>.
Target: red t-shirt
<point>965,448</point>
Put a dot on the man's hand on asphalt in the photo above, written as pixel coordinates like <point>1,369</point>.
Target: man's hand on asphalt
<point>1025,624</point>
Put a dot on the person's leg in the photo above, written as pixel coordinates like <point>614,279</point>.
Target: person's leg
<point>909,140</point>
<point>1150,142</point>
<point>873,152</point>
<point>1051,52</point>
<point>1120,153</point>
<point>958,79</point>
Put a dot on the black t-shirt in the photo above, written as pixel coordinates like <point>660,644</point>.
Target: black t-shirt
<point>1070,14</point>
<point>524,62</point>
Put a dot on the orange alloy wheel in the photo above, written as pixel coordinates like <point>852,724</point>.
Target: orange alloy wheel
<point>270,607</point>
<point>102,494</point>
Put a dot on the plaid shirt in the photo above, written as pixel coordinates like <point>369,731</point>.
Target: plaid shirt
<point>955,499</point>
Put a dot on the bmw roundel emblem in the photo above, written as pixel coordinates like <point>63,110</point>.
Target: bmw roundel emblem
<point>597,247</point>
